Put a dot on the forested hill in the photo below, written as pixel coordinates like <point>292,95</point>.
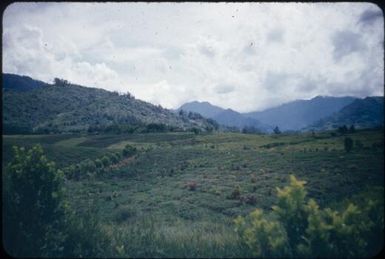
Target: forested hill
<point>20,83</point>
<point>362,113</point>
<point>63,107</point>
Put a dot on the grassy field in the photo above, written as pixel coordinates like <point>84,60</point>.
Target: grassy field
<point>178,195</point>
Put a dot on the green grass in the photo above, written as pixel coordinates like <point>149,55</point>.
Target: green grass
<point>148,204</point>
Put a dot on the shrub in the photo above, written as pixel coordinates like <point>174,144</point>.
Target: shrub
<point>98,163</point>
<point>348,144</point>
<point>106,161</point>
<point>128,150</point>
<point>118,155</point>
<point>33,205</point>
<point>236,193</point>
<point>192,185</point>
<point>265,238</point>
<point>114,158</point>
<point>359,144</point>
<point>89,165</point>
<point>249,199</point>
<point>297,227</point>
<point>37,221</point>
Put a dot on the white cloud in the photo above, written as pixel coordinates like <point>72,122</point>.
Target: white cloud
<point>244,56</point>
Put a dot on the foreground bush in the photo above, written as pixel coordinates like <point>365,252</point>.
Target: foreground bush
<point>298,227</point>
<point>37,222</point>
<point>34,210</point>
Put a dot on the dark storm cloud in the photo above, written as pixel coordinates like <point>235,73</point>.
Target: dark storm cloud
<point>346,42</point>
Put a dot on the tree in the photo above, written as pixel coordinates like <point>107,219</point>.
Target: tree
<point>106,161</point>
<point>352,129</point>
<point>348,144</point>
<point>33,205</point>
<point>195,130</point>
<point>277,130</point>
<point>128,150</point>
<point>343,130</point>
<point>60,82</point>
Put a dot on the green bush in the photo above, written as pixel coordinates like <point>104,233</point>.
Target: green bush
<point>236,193</point>
<point>98,163</point>
<point>106,161</point>
<point>114,158</point>
<point>298,227</point>
<point>33,205</point>
<point>128,150</point>
<point>348,144</point>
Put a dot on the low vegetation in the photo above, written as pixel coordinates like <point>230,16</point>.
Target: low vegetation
<point>178,194</point>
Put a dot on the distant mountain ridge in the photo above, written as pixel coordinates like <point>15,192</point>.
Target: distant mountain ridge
<point>64,107</point>
<point>320,112</point>
<point>362,113</point>
<point>203,108</point>
<point>298,114</point>
<point>226,117</point>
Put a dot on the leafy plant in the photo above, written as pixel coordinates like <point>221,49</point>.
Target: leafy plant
<point>34,209</point>
<point>128,150</point>
<point>297,227</point>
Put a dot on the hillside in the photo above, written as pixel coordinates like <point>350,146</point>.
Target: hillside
<point>235,119</point>
<point>20,83</point>
<point>204,108</point>
<point>67,107</point>
<point>301,113</point>
<point>226,117</point>
<point>362,113</point>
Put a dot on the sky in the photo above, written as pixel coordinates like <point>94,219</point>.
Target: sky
<point>243,56</point>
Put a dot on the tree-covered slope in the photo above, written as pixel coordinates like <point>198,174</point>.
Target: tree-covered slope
<point>20,83</point>
<point>362,113</point>
<point>64,107</point>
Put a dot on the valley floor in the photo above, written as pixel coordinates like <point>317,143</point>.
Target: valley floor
<point>180,193</point>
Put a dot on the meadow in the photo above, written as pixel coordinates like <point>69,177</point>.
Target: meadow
<point>179,194</point>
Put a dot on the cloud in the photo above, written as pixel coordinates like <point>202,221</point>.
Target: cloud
<point>224,88</point>
<point>275,35</point>
<point>243,56</point>
<point>369,16</point>
<point>346,42</point>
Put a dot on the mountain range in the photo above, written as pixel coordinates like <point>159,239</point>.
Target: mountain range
<point>318,113</point>
<point>226,117</point>
<point>32,106</point>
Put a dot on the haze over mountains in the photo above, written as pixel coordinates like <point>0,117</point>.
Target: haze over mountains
<point>318,113</point>
<point>31,106</point>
